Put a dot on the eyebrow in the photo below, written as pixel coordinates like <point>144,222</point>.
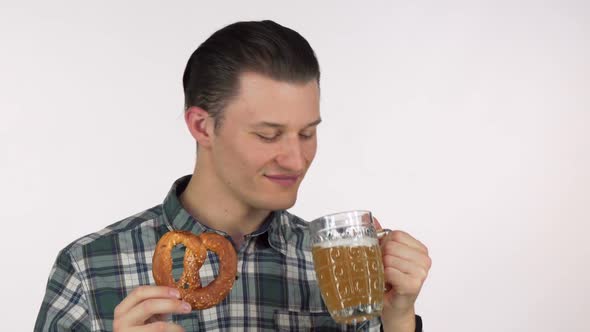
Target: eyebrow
<point>278,125</point>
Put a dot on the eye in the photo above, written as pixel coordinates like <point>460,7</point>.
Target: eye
<point>267,139</point>
<point>307,136</point>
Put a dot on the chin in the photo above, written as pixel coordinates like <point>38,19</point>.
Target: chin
<point>278,203</point>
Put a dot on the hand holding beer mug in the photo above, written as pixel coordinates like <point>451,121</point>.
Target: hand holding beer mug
<point>348,265</point>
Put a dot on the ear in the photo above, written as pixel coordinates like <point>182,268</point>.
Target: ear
<point>200,125</point>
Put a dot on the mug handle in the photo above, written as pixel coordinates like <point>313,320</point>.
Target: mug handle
<point>382,233</point>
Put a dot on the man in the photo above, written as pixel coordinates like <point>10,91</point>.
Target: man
<point>252,105</point>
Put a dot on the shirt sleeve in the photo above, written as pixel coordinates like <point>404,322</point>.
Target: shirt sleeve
<point>64,306</point>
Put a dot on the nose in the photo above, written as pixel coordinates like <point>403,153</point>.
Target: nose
<point>291,156</point>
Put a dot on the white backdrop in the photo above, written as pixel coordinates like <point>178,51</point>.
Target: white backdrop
<point>465,123</point>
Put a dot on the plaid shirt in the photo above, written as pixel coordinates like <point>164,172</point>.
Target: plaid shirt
<point>276,286</point>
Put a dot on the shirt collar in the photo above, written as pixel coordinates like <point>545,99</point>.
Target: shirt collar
<point>177,218</point>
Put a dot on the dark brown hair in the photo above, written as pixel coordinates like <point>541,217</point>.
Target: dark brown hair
<point>211,76</point>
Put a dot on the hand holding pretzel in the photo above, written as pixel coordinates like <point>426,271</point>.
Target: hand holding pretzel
<point>146,307</point>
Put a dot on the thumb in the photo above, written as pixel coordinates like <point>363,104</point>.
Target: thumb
<point>377,224</point>
<point>379,230</point>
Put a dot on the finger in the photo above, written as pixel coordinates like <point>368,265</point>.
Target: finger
<point>402,265</point>
<point>402,283</point>
<point>158,327</point>
<point>392,248</point>
<point>143,293</point>
<point>407,239</point>
<point>143,311</point>
<point>159,318</point>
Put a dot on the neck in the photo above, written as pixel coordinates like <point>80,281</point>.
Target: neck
<point>209,201</point>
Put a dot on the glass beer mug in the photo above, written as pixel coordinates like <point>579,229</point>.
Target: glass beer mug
<point>348,265</point>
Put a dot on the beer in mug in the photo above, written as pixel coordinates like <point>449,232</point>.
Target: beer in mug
<point>348,265</point>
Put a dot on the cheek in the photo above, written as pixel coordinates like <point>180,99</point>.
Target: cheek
<point>256,158</point>
<point>244,153</point>
<point>309,150</point>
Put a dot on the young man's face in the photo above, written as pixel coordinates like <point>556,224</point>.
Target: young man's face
<point>267,141</point>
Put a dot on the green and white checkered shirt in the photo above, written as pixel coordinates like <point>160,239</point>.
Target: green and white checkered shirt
<point>276,287</point>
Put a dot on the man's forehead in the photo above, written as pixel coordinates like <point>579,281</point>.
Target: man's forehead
<point>262,101</point>
<point>269,124</point>
<point>253,84</point>
<point>253,77</point>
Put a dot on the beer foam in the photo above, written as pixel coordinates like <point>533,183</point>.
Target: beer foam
<point>354,242</point>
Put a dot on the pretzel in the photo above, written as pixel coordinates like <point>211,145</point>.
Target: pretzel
<point>189,284</point>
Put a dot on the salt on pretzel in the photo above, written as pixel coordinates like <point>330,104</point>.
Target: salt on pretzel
<point>189,284</point>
